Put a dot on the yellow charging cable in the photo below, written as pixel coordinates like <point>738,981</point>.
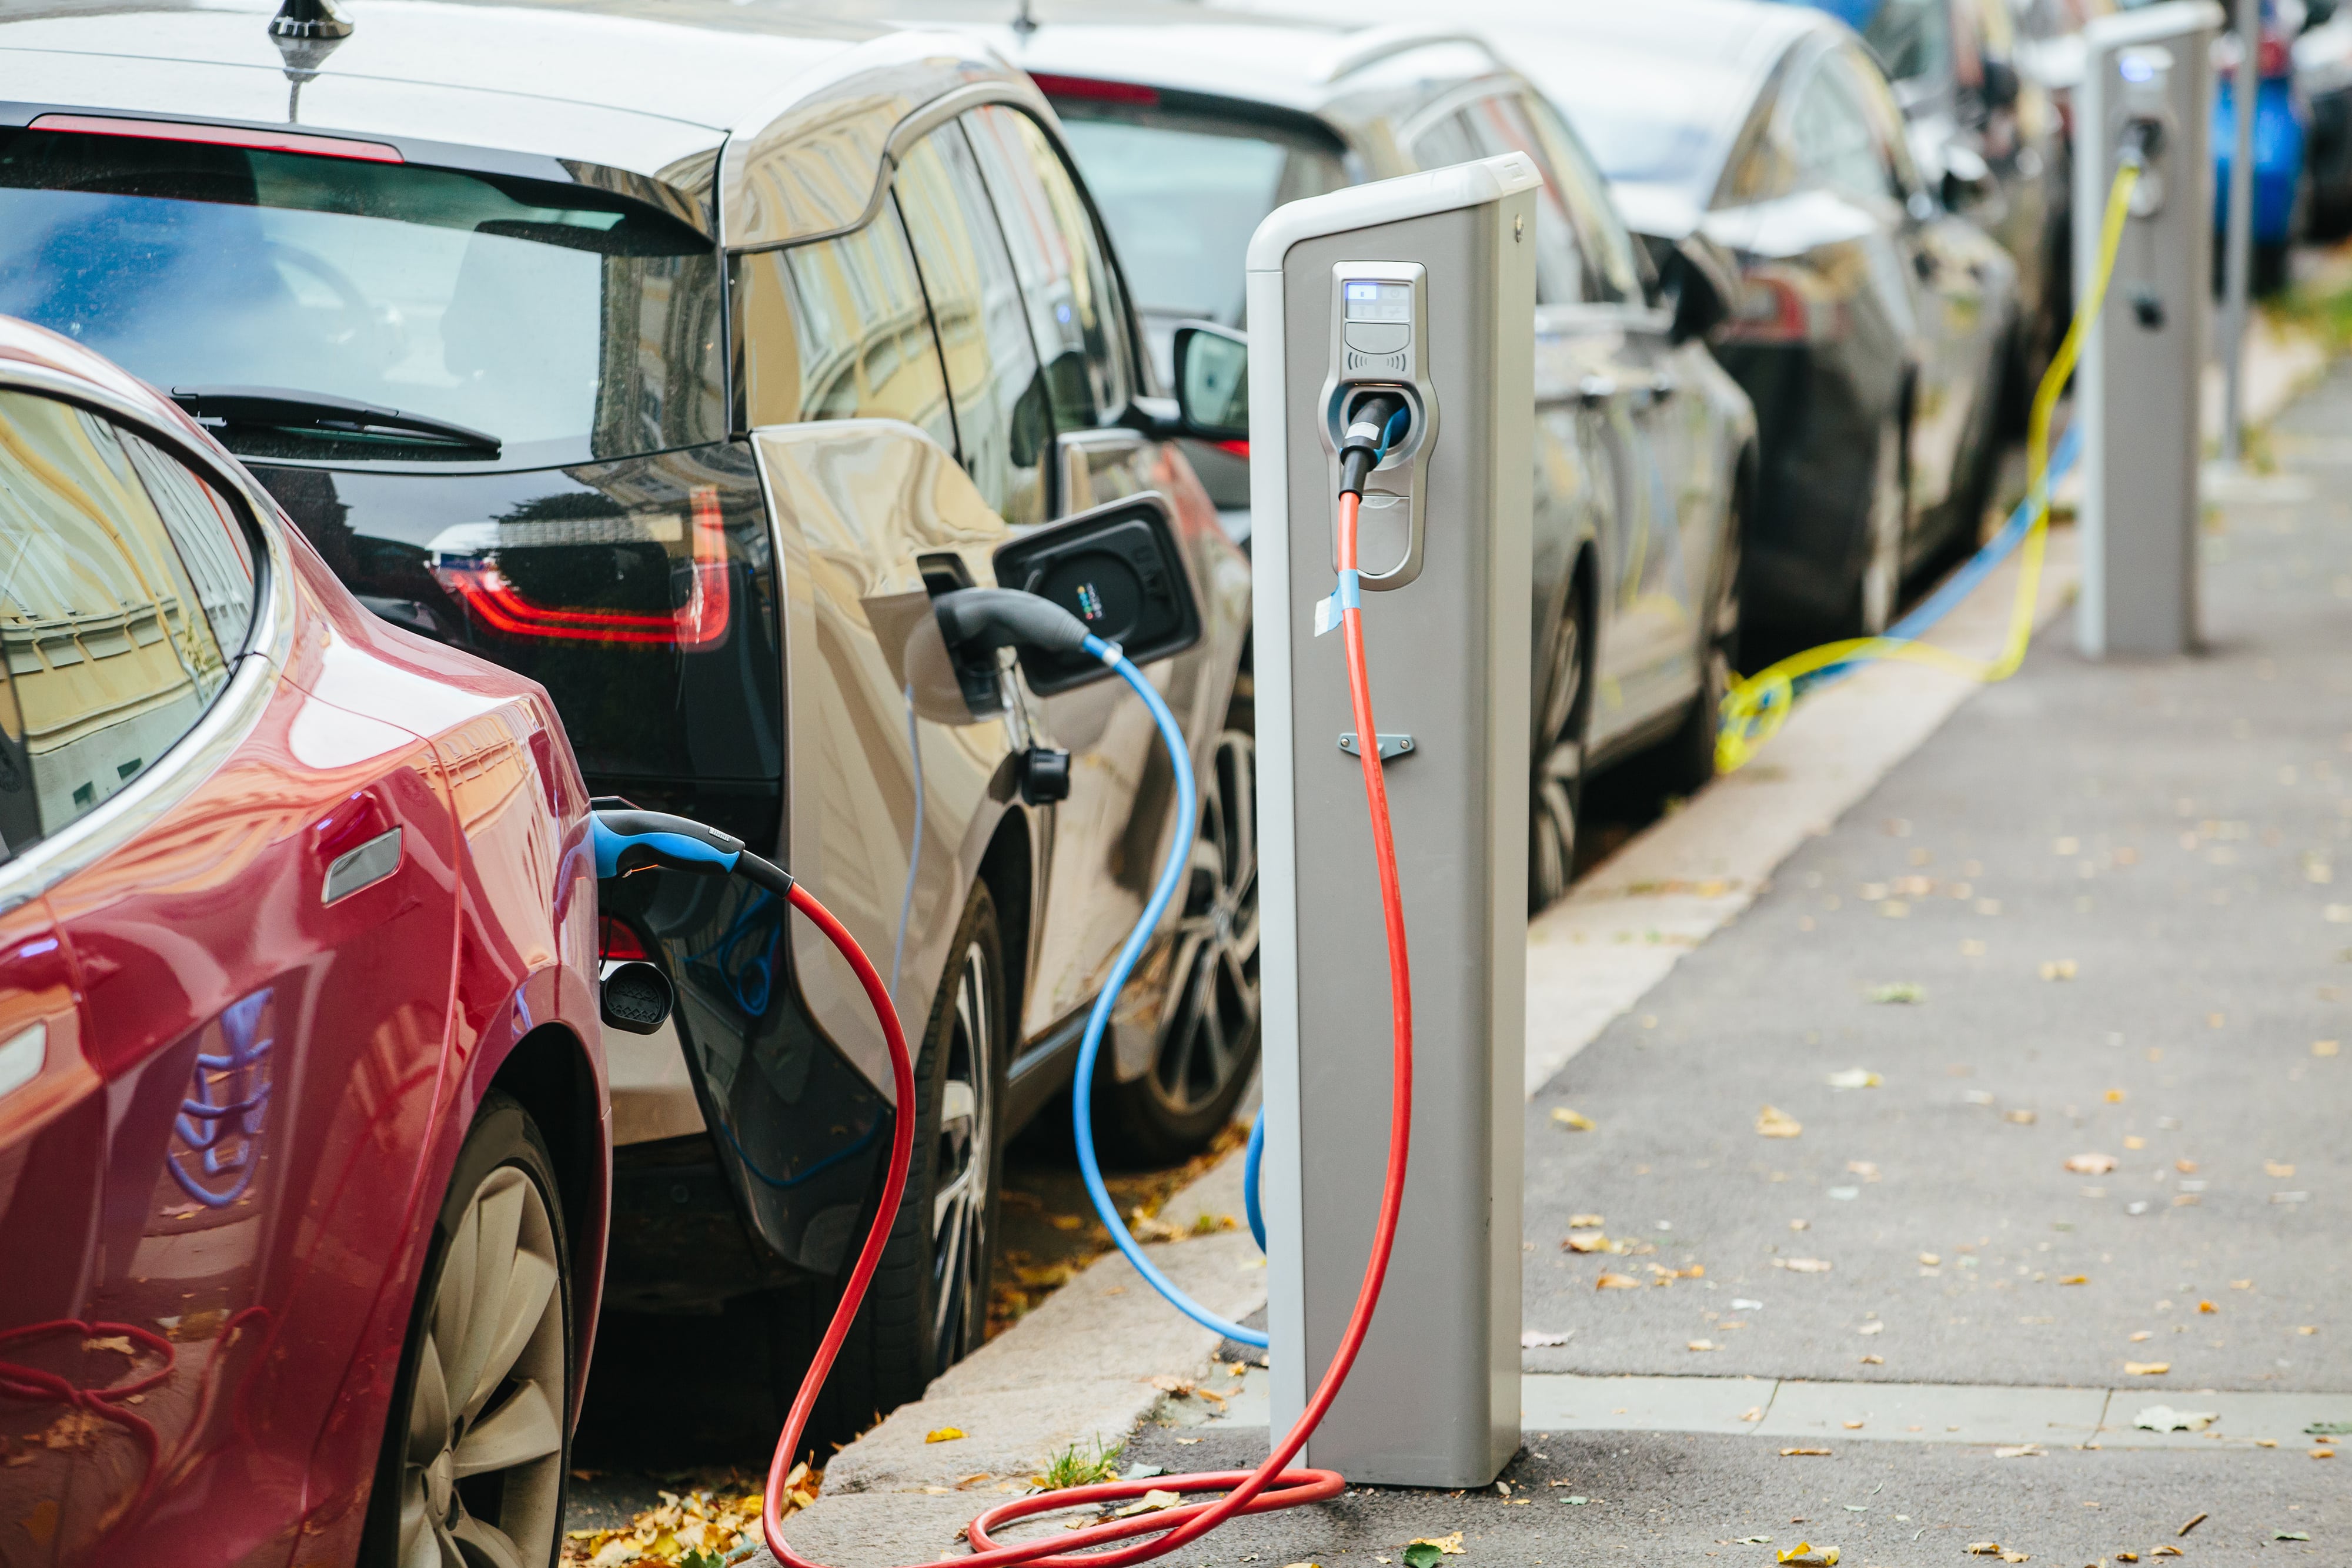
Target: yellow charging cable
<point>1755,709</point>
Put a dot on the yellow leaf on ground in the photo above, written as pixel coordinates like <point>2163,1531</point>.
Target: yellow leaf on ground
<point>1585,1221</point>
<point>1805,1555</point>
<point>2090,1165</point>
<point>1814,1453</point>
<point>2147,1368</point>
<point>1617,1283</point>
<point>1449,1544</point>
<point>2023,1118</point>
<point>2325,1048</point>
<point>2273,1168</point>
<point>2075,1280</point>
<point>1702,1344</point>
<point>1773,1123</point>
<point>1802,1265</point>
<point>2058,969</point>
<point>1574,1121</point>
<point>942,1434</point>
<point>1586,1241</point>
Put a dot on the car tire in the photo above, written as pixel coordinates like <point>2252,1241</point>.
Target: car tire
<point>1206,1043</point>
<point>1556,788</point>
<point>485,1383</point>
<point>1878,585</point>
<point>2272,267</point>
<point>1687,761</point>
<point>927,1306</point>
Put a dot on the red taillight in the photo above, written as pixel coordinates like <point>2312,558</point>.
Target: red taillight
<point>699,622</point>
<point>616,941</point>
<point>221,136</point>
<point>1094,89</point>
<point>1770,310</point>
<point>1232,448</point>
<point>2272,57</point>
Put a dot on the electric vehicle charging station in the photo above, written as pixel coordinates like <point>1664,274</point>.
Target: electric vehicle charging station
<point>1423,288</point>
<point>2147,84</point>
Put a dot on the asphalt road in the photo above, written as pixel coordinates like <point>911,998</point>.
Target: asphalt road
<point>2168,842</point>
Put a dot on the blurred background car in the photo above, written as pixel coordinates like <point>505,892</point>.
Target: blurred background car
<point>304,1221</point>
<point>2323,69</point>
<point>2281,121</point>
<point>476,340</point>
<point>1989,140</point>
<point>1192,125</point>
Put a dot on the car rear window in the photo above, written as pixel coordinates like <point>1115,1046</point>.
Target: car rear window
<point>567,323</point>
<point>1182,194</point>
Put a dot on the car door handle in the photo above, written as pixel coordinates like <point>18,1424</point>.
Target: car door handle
<point>1595,390</point>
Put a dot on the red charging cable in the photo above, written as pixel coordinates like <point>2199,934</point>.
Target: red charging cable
<point>1271,1485</point>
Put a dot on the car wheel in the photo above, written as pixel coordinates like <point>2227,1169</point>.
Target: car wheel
<point>472,1468</point>
<point>927,1307</point>
<point>1556,792</point>
<point>1207,1039</point>
<point>1880,585</point>
<point>1689,758</point>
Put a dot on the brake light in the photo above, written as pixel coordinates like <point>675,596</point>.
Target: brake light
<point>1775,308</point>
<point>2272,59</point>
<point>1232,448</point>
<point>616,941</point>
<point>1094,89</point>
<point>221,136</point>
<point>699,622</point>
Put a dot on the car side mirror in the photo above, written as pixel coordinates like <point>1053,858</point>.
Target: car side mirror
<point>1213,381</point>
<point>1699,283</point>
<point>1969,184</point>
<point>1119,567</point>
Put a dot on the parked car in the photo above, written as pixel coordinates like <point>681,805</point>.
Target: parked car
<point>303,1172</point>
<point>1988,140</point>
<point>2281,119</point>
<point>1874,325</point>
<point>2323,69</point>
<point>1192,125</point>
<point>675,362</point>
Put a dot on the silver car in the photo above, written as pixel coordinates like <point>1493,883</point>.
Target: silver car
<point>1190,126</point>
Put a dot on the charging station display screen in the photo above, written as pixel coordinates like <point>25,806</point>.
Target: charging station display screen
<point>1372,301</point>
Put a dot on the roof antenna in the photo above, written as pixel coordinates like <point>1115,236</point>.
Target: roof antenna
<point>1023,24</point>
<point>306,32</point>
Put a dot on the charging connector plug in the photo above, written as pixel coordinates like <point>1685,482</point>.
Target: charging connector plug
<point>1377,422</point>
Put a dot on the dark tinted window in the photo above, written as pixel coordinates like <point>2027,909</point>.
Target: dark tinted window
<point>1564,270</point>
<point>1181,194</point>
<point>111,655</point>
<point>838,329</point>
<point>213,543</point>
<point>1831,134</point>
<point>1075,314</point>
<point>1001,421</point>
<point>560,319</point>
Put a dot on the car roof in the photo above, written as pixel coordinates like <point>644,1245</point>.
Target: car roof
<point>1344,73</point>
<point>647,87</point>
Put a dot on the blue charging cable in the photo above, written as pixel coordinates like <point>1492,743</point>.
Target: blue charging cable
<point>1172,876</point>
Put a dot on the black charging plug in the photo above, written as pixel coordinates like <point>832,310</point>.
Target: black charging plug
<point>1366,440</point>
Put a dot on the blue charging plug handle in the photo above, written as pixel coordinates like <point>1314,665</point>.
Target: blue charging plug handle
<point>629,841</point>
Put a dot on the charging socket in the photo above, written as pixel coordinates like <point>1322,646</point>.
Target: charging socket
<point>1380,336</point>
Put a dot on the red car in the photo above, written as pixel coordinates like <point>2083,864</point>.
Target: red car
<point>303,1148</point>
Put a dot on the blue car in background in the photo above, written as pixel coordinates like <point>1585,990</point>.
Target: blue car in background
<point>2282,125</point>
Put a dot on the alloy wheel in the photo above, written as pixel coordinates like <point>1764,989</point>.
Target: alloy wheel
<point>1210,1015</point>
<point>963,1164</point>
<point>1557,790</point>
<point>482,1479</point>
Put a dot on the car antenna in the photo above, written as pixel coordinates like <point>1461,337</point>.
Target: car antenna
<point>306,32</point>
<point>1023,23</point>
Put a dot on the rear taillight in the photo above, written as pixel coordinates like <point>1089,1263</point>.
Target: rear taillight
<point>617,942</point>
<point>474,577</point>
<point>1777,307</point>
<point>1232,448</point>
<point>2274,59</point>
<point>1094,89</point>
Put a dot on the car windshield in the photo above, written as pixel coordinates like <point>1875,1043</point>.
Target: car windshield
<point>1912,38</point>
<point>1181,195</point>
<point>1642,117</point>
<point>565,322</point>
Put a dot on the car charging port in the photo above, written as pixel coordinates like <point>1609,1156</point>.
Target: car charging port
<point>1377,422</point>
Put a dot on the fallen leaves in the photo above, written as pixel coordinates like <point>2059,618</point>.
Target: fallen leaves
<point>1982,1549</point>
<point>2090,1164</point>
<point>1773,1123</point>
<point>2325,1047</point>
<point>1424,1552</point>
<point>1152,1501</point>
<point>706,1525</point>
<point>1856,1078</point>
<point>1802,1265</point>
<point>1586,1241</point>
<point>2021,1117</point>
<point>2021,1451</point>
<point>2147,1368</point>
<point>1702,1344</point>
<point>943,1435</point>
<point>1867,1169</point>
<point>2058,969</point>
<point>2075,1280</point>
<point>1871,1327</point>
<point>2184,1530</point>
<point>1804,1453</point>
<point>1585,1221</point>
<point>2165,1418</point>
<point>1899,993</point>
<point>1806,1555</point>
<point>2277,1171</point>
<point>1616,1283</point>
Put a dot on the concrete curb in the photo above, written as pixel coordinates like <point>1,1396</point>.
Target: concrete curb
<point>1080,1368</point>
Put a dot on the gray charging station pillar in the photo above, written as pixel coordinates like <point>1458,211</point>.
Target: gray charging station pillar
<point>2138,382</point>
<point>1426,285</point>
